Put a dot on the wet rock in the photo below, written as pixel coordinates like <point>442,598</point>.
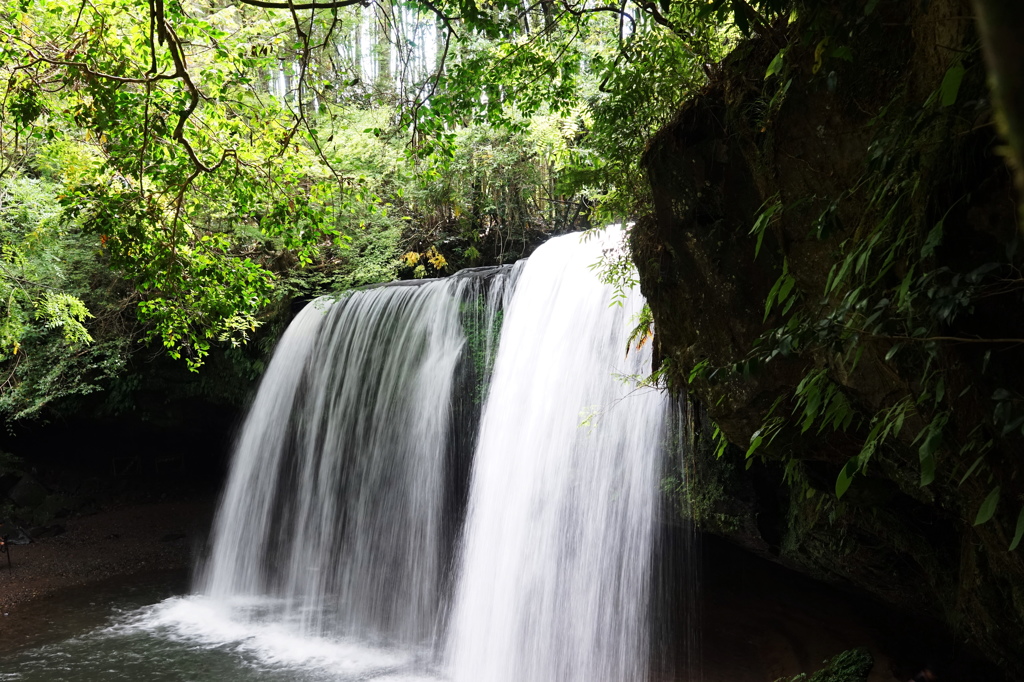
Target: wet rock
<point>28,492</point>
<point>15,535</point>
<point>55,506</point>
<point>47,531</point>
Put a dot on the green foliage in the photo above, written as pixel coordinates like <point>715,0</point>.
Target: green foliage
<point>612,75</point>
<point>950,86</point>
<point>482,332</point>
<point>30,267</point>
<point>170,172</point>
<point>494,188</point>
<point>52,288</point>
<point>148,201</point>
<point>849,666</point>
<point>764,219</point>
<point>643,330</point>
<point>903,293</point>
<point>1018,531</point>
<point>616,266</point>
<point>48,375</point>
<point>57,309</point>
<point>988,507</point>
<point>886,425</point>
<point>641,87</point>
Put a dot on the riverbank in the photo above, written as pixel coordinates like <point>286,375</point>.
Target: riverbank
<point>120,540</point>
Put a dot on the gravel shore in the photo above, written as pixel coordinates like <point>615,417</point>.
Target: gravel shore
<point>118,541</point>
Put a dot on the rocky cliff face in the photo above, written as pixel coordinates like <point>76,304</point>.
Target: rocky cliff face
<point>832,265</point>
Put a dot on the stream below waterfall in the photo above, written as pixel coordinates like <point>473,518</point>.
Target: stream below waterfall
<point>759,623</point>
<point>118,633</point>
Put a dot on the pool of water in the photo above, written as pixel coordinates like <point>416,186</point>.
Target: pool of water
<point>148,631</point>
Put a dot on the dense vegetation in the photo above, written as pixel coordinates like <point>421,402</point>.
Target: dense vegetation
<point>170,173</point>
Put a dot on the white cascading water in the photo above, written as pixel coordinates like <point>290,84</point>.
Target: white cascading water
<point>336,499</point>
<point>339,523</point>
<point>556,558</point>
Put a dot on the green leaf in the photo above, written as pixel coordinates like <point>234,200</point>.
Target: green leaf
<point>787,286</point>
<point>988,507</point>
<point>776,64</point>
<point>927,456</point>
<point>933,239</point>
<point>971,470</point>
<point>845,477</point>
<point>843,52</point>
<point>819,53</point>
<point>950,87</point>
<point>1019,532</point>
<point>739,16</point>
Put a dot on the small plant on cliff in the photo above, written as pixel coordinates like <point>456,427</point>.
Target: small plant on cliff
<point>849,666</point>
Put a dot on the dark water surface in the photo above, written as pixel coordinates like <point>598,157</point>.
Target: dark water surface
<point>144,629</point>
<point>76,610</point>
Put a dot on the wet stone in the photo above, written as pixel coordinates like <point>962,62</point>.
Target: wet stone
<point>28,492</point>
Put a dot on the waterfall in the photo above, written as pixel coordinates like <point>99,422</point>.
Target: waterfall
<point>336,504</point>
<point>556,558</point>
<point>357,510</point>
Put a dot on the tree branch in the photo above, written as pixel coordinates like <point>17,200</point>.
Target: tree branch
<point>305,5</point>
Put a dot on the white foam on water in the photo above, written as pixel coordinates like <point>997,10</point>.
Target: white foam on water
<point>208,623</point>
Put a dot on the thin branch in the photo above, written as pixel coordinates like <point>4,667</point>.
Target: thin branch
<point>89,71</point>
<point>444,18</point>
<point>330,30</point>
<point>305,5</point>
<point>923,339</point>
<point>78,18</point>
<point>181,71</point>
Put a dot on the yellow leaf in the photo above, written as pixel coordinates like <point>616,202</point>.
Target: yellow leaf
<point>435,259</point>
<point>819,52</point>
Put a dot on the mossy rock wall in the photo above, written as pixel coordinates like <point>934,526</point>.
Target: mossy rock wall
<point>816,140</point>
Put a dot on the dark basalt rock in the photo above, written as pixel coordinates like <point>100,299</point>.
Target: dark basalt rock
<point>712,169</point>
